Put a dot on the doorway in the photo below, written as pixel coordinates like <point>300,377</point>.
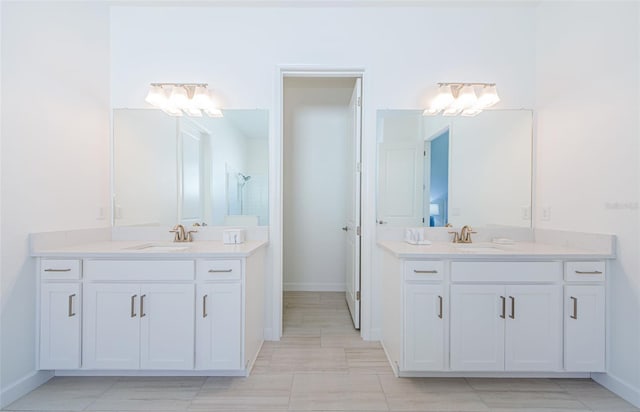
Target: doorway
<point>321,188</point>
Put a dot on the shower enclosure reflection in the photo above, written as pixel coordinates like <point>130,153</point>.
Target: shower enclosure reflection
<point>211,171</point>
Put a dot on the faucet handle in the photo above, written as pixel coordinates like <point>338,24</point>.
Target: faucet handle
<point>456,237</point>
<point>189,237</point>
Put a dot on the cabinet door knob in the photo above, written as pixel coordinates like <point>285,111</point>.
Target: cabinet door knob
<point>71,312</point>
<point>133,306</point>
<point>575,308</point>
<point>142,314</point>
<point>513,307</point>
<point>504,307</point>
<point>204,306</point>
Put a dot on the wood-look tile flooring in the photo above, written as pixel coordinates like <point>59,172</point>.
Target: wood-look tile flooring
<point>320,364</point>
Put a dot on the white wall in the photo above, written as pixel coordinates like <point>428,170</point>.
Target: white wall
<point>316,133</point>
<point>404,51</point>
<point>55,150</point>
<point>587,78</point>
<point>145,169</point>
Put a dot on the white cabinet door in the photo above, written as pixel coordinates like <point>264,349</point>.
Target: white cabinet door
<point>166,324</point>
<point>111,333</point>
<point>477,327</point>
<point>60,315</point>
<point>424,327</point>
<point>218,326</point>
<point>584,333</point>
<point>534,328</point>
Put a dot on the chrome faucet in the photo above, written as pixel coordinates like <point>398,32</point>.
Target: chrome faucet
<point>464,236</point>
<point>181,234</point>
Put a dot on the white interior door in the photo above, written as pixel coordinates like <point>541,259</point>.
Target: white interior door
<point>352,227</point>
<point>191,205</point>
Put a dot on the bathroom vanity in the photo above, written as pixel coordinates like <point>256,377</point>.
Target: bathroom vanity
<point>527,309</point>
<point>151,308</point>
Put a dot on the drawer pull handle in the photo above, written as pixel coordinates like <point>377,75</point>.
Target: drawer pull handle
<point>71,312</point>
<point>513,307</point>
<point>142,314</point>
<point>504,307</point>
<point>431,272</point>
<point>220,270</point>
<point>440,306</point>
<point>575,308</point>
<point>593,272</point>
<point>133,306</point>
<point>57,270</point>
<point>204,306</point>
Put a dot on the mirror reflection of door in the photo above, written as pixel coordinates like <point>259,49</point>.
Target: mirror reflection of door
<point>191,205</point>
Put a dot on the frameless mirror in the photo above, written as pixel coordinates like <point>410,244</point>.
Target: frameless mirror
<point>434,171</point>
<point>211,171</point>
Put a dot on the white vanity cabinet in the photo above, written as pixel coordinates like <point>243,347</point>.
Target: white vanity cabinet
<point>512,328</point>
<point>133,322</point>
<point>584,316</point>
<point>218,319</point>
<point>424,327</point>
<point>60,314</point>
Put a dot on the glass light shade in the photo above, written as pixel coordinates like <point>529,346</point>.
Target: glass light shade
<point>201,98</point>
<point>443,99</point>
<point>451,111</point>
<point>471,112</point>
<point>179,97</point>
<point>466,98</point>
<point>156,96</point>
<point>430,112</point>
<point>488,96</point>
<point>211,112</point>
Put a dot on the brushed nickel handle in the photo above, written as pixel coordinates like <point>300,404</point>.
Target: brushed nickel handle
<point>204,306</point>
<point>513,307</point>
<point>594,272</point>
<point>575,308</point>
<point>220,270</point>
<point>440,306</point>
<point>142,314</point>
<point>133,306</point>
<point>432,272</point>
<point>71,312</point>
<point>504,307</point>
<point>57,270</point>
<point>346,228</point>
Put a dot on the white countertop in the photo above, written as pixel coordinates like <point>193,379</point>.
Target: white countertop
<point>518,250</point>
<point>134,249</point>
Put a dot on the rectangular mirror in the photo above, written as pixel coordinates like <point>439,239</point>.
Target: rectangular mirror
<point>169,170</point>
<point>434,171</point>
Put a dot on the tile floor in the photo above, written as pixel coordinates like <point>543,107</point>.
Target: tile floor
<point>320,364</point>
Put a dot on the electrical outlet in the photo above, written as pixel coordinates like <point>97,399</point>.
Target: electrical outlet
<point>546,213</point>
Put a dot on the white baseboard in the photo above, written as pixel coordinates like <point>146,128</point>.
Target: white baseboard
<point>619,387</point>
<point>22,387</point>
<point>313,287</point>
<point>150,372</point>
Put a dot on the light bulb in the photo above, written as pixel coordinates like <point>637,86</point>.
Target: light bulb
<point>156,96</point>
<point>443,99</point>
<point>201,97</point>
<point>466,98</point>
<point>488,97</point>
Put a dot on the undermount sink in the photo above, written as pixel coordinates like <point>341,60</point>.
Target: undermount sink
<point>161,248</point>
<point>477,248</point>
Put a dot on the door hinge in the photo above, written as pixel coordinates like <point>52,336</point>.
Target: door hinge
<point>358,231</point>
<point>359,101</point>
<point>358,295</point>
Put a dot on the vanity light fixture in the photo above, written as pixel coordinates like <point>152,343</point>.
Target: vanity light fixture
<point>466,99</point>
<point>177,99</point>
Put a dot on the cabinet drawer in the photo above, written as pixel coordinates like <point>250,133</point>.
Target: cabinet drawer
<point>219,269</point>
<point>584,271</point>
<point>512,272</point>
<point>423,270</point>
<point>139,270</point>
<point>60,269</point>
